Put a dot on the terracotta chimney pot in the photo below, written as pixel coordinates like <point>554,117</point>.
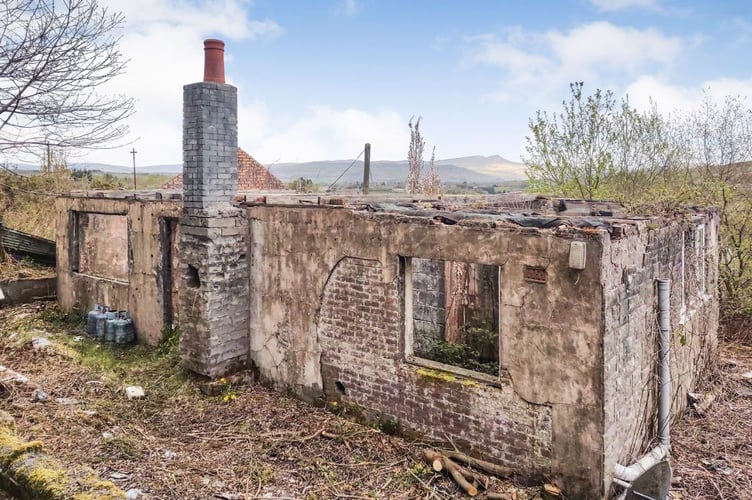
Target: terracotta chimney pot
<point>214,61</point>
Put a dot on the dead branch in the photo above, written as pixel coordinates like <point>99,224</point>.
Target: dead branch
<point>439,462</point>
<point>492,495</point>
<point>473,476</point>
<point>330,435</point>
<point>433,458</point>
<point>451,467</point>
<point>491,468</point>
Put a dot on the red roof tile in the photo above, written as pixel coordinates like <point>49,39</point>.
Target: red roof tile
<point>251,176</point>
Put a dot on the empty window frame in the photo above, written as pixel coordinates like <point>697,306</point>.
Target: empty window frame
<point>452,314</point>
<point>99,245</point>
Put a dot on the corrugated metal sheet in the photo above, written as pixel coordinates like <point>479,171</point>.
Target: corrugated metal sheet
<point>23,244</point>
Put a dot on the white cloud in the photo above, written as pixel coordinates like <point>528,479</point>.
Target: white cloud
<point>322,133</point>
<point>613,5</point>
<point>536,63</point>
<point>603,45</point>
<point>670,97</point>
<point>163,40</point>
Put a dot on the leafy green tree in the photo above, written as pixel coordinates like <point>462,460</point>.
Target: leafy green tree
<point>596,147</point>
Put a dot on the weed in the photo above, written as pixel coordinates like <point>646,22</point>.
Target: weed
<point>228,395</point>
<point>464,356</point>
<point>170,342</point>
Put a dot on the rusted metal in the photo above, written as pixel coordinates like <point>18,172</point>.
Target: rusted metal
<point>22,244</point>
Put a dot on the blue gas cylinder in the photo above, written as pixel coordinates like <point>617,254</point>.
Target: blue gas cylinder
<point>125,332</point>
<point>91,320</point>
<point>101,323</point>
<point>109,330</point>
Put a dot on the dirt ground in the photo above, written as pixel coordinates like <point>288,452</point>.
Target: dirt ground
<point>250,442</point>
<point>712,451</point>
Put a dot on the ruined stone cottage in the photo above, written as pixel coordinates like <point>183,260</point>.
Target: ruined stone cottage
<point>522,329</point>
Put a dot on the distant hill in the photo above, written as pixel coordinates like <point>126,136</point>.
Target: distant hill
<point>471,169</point>
<point>495,166</point>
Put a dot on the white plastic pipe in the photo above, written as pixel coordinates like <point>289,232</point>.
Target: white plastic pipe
<point>648,460</point>
<point>629,473</point>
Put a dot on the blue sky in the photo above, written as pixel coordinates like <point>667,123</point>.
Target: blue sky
<point>317,79</point>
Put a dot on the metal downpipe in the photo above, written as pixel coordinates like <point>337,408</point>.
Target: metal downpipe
<point>627,474</point>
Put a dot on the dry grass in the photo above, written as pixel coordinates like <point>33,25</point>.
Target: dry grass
<point>11,269</point>
<point>713,452</point>
<point>178,443</point>
<point>27,203</point>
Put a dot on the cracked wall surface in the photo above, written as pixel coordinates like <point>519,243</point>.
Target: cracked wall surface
<point>309,330</point>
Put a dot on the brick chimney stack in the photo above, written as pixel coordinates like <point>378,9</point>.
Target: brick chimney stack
<point>210,135</point>
<point>214,283</point>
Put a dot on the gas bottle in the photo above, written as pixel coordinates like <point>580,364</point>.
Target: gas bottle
<point>91,320</point>
<point>109,330</point>
<point>101,323</point>
<point>125,333</point>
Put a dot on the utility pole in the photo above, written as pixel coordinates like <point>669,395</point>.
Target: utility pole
<point>133,152</point>
<point>366,168</point>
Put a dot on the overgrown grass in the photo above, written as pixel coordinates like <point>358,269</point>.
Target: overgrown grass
<point>143,181</point>
<point>11,269</point>
<point>27,202</point>
<point>156,369</point>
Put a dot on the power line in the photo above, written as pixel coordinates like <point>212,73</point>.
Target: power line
<point>345,171</point>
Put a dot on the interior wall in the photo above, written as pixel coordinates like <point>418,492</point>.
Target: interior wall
<point>138,253</point>
<point>102,248</point>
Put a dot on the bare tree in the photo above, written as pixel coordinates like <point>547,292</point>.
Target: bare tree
<point>432,182</point>
<point>720,135</point>
<point>55,56</point>
<point>414,158</point>
<point>416,183</point>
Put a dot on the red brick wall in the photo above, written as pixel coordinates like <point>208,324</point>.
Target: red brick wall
<point>251,176</point>
<point>361,335</point>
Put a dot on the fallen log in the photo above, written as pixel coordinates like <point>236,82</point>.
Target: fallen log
<point>451,467</point>
<point>460,475</point>
<point>433,458</point>
<point>473,476</point>
<point>491,468</point>
<point>26,471</point>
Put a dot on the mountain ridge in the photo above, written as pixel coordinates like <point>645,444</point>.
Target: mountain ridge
<point>471,169</point>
